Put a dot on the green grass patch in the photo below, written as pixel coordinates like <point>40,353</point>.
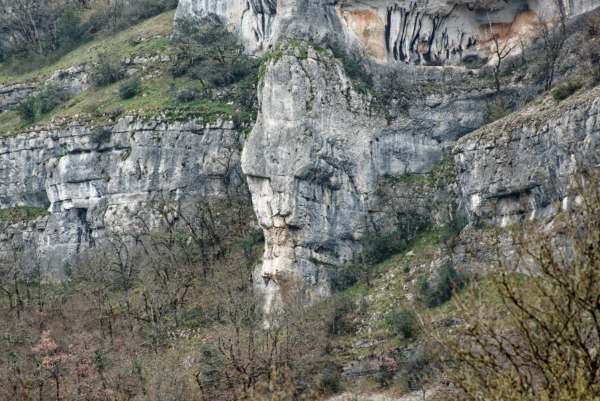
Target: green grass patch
<point>155,96</point>
<point>118,45</point>
<point>22,213</point>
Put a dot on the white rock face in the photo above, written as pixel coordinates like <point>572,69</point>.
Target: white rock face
<point>93,186</point>
<point>75,79</point>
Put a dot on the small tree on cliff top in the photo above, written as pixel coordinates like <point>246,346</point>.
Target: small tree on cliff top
<point>209,51</point>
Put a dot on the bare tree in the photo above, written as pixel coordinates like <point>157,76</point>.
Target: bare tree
<point>552,32</point>
<point>541,341</point>
<point>245,342</point>
<point>501,49</point>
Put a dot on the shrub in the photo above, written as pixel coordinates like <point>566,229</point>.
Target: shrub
<point>70,30</point>
<point>436,62</point>
<point>442,288</point>
<point>131,88</point>
<point>108,71</point>
<point>498,110</point>
<point>593,23</point>
<point>474,62</point>
<point>401,322</point>
<point>563,91</point>
<point>43,102</point>
<point>186,95</point>
<point>342,280</point>
<point>336,321</point>
<point>419,369</point>
<point>27,110</point>
<point>330,379</point>
<point>452,229</point>
<point>209,52</point>
<point>356,65</point>
<point>52,97</point>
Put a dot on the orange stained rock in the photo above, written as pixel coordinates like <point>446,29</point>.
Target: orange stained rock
<point>522,26</point>
<point>369,27</point>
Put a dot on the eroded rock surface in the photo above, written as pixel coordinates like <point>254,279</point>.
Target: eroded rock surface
<point>11,95</point>
<point>394,31</point>
<point>520,168</point>
<point>319,149</point>
<point>93,183</point>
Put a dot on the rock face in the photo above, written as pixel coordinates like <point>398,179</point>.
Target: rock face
<point>73,80</point>
<point>319,150</point>
<point>394,31</point>
<point>93,181</point>
<point>11,95</point>
<point>521,167</point>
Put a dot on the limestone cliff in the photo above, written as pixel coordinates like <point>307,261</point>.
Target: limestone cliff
<point>320,148</point>
<point>322,151</point>
<point>520,168</point>
<point>95,178</point>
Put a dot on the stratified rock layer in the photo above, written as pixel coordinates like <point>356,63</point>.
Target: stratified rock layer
<point>394,31</point>
<point>521,167</point>
<point>92,184</point>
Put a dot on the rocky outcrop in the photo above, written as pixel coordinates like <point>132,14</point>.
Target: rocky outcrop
<point>521,167</point>
<point>11,95</point>
<point>94,178</point>
<point>73,81</point>
<point>319,150</point>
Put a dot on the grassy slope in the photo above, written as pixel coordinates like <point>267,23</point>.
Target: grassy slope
<point>160,25</point>
<point>100,103</point>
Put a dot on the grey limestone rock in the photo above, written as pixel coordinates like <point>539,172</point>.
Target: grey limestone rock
<point>521,167</point>
<point>75,79</point>
<point>93,186</point>
<point>12,95</point>
<point>393,31</point>
<point>318,152</point>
